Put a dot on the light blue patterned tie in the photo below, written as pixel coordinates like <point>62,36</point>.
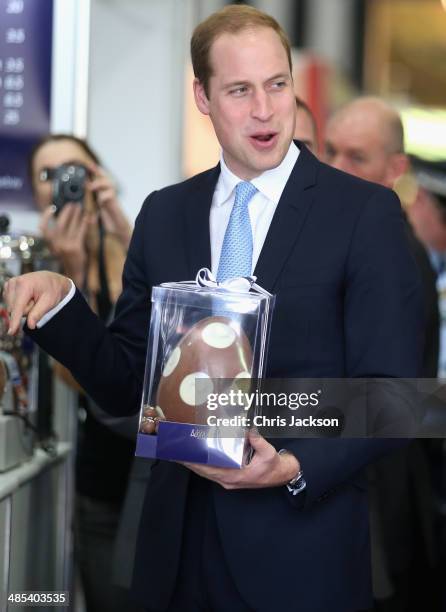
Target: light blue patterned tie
<point>236,252</point>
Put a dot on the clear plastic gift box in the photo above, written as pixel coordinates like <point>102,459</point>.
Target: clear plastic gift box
<point>206,341</point>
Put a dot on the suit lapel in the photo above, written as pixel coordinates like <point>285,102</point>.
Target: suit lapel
<point>288,220</point>
<point>284,230</point>
<point>196,213</point>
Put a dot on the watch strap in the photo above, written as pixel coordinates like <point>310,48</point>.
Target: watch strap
<point>298,482</point>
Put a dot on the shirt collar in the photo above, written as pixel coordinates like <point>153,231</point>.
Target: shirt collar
<point>270,183</point>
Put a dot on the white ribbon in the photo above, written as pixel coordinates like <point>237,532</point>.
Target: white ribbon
<point>241,284</point>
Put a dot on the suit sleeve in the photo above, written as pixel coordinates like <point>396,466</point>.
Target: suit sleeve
<point>108,362</point>
<point>383,339</point>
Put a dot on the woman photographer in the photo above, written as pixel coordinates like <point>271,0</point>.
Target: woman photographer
<point>90,239</point>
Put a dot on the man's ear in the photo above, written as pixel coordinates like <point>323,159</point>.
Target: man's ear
<point>201,99</point>
<point>398,164</point>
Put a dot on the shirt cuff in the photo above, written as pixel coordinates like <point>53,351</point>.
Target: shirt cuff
<point>51,313</point>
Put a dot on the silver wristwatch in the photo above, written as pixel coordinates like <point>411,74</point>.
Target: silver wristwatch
<point>297,483</point>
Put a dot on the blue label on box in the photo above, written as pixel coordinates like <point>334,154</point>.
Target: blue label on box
<point>192,443</point>
<point>182,442</point>
<point>146,446</point>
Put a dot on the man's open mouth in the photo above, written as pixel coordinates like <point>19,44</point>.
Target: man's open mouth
<point>263,137</point>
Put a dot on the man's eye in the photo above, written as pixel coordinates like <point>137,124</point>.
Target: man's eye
<point>238,91</point>
<point>357,159</point>
<point>279,84</point>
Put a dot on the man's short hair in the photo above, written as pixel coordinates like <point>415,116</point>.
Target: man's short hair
<point>230,20</point>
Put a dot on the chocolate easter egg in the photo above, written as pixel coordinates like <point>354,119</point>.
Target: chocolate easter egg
<point>216,347</point>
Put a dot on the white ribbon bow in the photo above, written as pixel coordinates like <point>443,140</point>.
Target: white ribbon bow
<point>205,278</point>
<point>241,284</point>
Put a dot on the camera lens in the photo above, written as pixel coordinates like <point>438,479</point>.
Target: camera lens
<point>69,184</point>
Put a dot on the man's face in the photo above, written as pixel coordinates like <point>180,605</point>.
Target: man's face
<point>251,101</point>
<point>304,130</point>
<point>355,144</point>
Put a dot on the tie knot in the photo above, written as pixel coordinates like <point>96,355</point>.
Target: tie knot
<point>244,192</point>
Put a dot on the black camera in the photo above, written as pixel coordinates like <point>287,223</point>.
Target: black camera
<point>68,184</point>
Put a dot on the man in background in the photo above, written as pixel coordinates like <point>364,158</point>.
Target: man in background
<point>366,138</point>
<point>306,128</point>
<point>427,211</point>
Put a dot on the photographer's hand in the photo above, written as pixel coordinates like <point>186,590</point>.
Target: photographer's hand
<point>65,235</point>
<point>114,220</point>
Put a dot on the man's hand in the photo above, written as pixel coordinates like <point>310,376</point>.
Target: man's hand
<point>32,296</point>
<point>267,468</point>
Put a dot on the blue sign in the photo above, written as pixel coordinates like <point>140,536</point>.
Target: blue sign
<point>25,93</point>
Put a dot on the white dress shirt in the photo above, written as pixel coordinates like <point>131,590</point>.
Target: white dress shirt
<point>262,206</point>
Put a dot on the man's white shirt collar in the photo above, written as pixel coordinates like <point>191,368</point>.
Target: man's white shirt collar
<point>270,183</point>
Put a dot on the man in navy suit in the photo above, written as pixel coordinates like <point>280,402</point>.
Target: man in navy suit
<point>258,538</point>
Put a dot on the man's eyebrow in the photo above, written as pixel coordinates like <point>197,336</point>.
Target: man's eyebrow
<point>283,76</point>
<point>355,151</point>
<point>235,84</point>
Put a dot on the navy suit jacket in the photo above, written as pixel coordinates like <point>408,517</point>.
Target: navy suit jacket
<point>347,305</point>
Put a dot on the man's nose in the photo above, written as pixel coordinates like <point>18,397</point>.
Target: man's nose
<point>262,107</point>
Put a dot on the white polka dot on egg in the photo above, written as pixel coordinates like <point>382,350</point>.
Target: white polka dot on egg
<point>172,362</point>
<point>218,335</point>
<point>193,394</point>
